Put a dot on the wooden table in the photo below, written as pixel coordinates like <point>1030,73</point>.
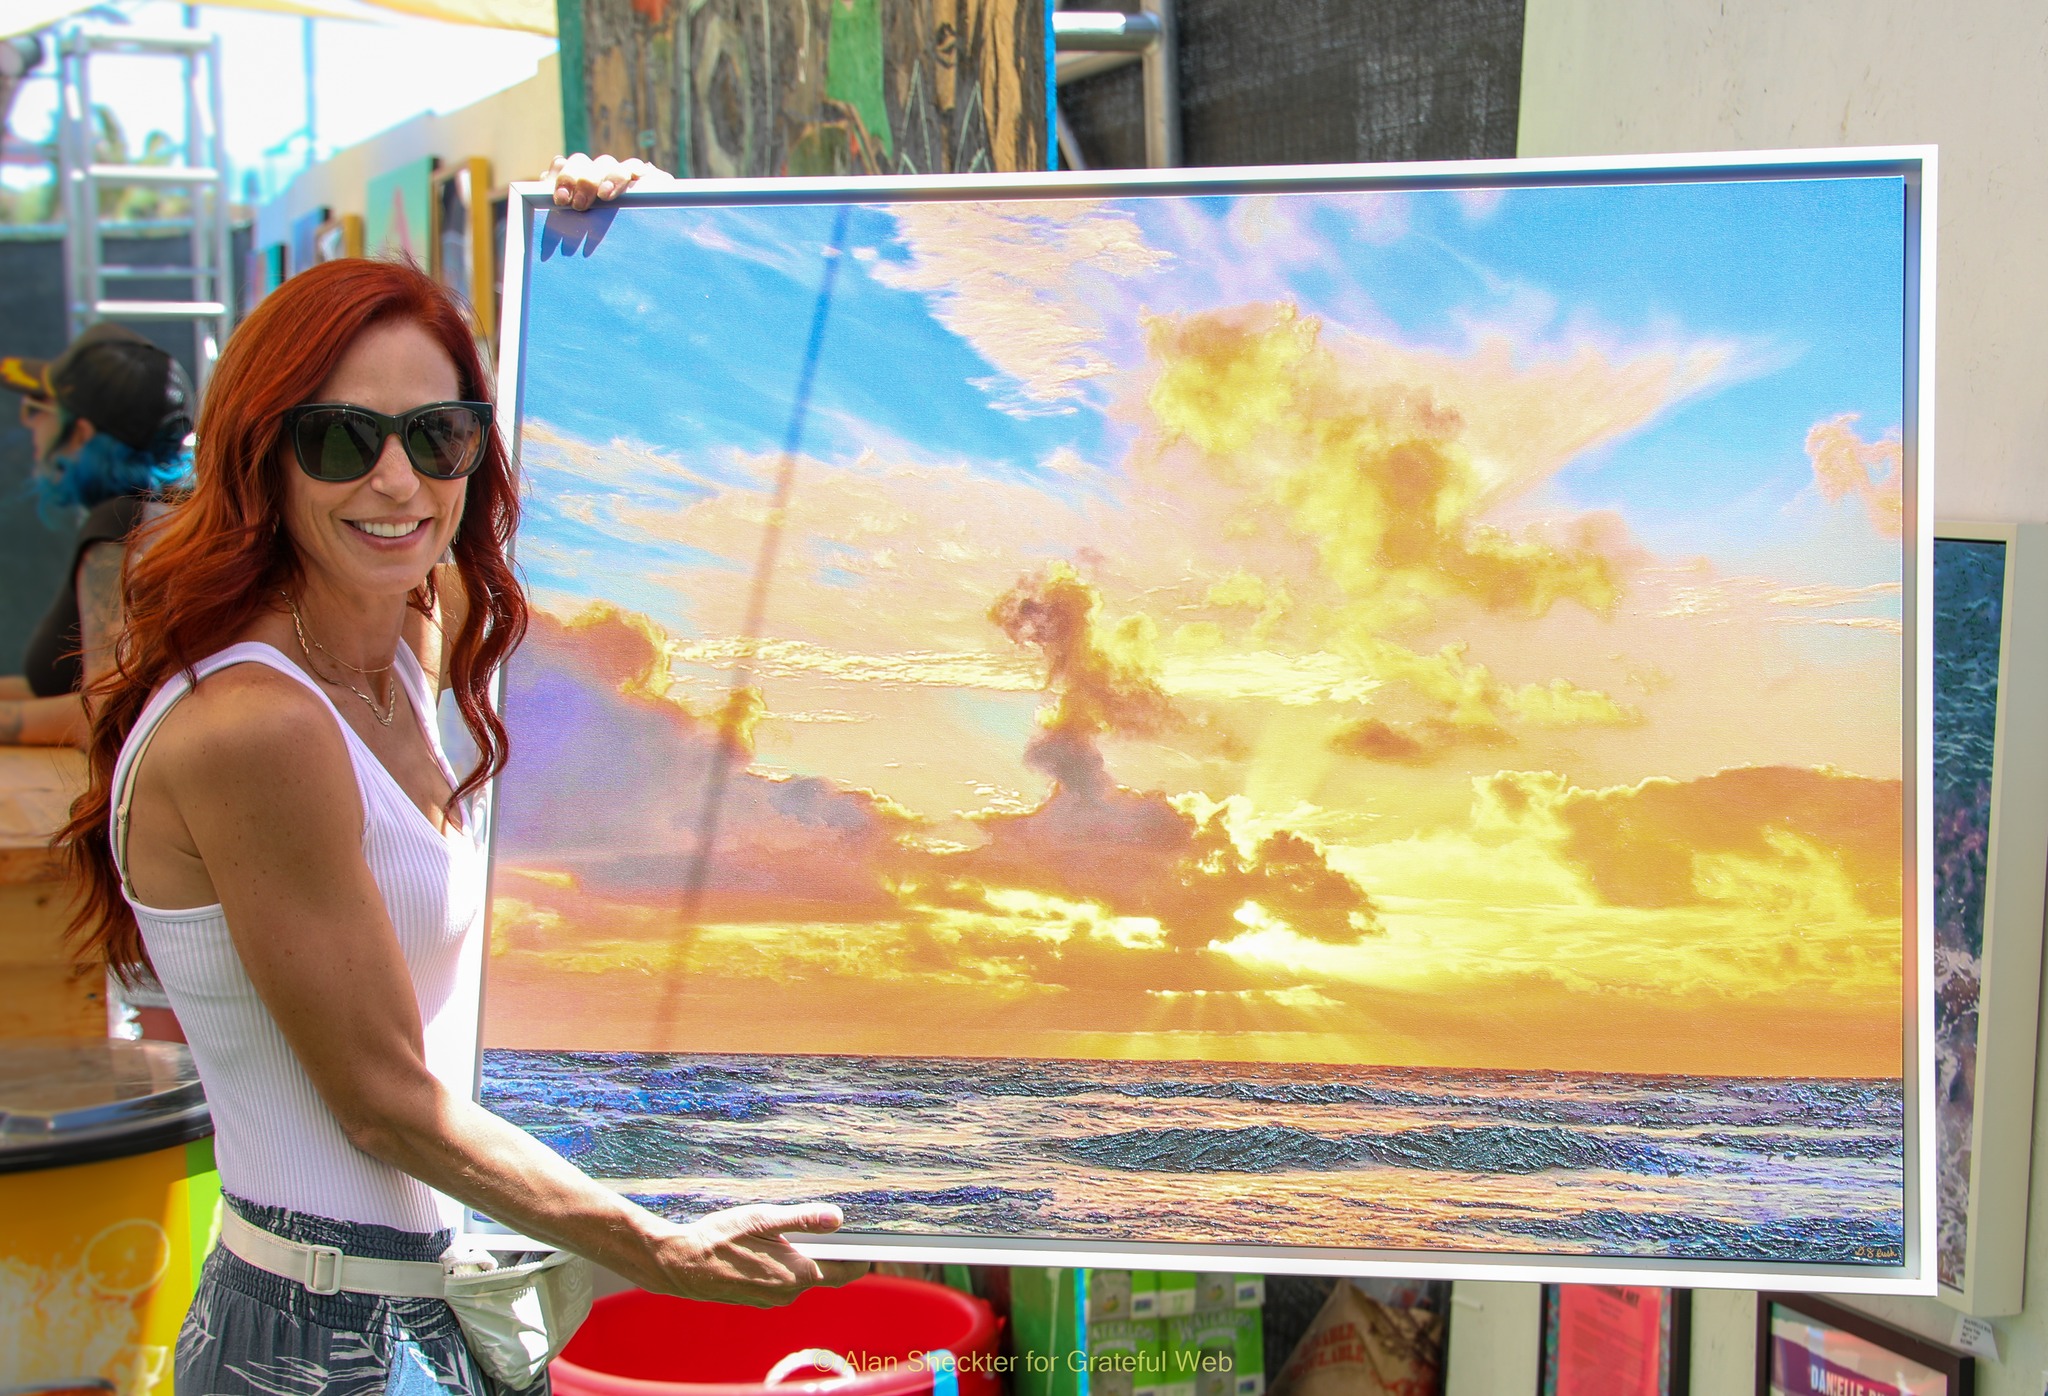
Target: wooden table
<point>41,994</point>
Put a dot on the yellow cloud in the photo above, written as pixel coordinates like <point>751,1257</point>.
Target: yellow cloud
<point>1377,480</point>
<point>1378,477</point>
<point>1846,466</point>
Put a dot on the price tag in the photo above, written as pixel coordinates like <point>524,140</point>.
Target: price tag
<point>1975,1336</point>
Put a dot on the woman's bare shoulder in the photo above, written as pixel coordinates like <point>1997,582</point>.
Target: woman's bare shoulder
<point>248,722</point>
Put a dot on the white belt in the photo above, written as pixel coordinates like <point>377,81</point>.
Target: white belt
<point>325,1269</point>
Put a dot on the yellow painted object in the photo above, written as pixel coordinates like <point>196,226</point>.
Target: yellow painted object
<point>45,995</point>
<point>99,1257</point>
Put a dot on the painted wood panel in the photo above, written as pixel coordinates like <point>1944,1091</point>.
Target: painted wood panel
<point>742,88</point>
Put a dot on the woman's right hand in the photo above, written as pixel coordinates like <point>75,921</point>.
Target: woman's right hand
<point>581,180</point>
<point>740,1256</point>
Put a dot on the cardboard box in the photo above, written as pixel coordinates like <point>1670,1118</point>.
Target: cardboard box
<point>1214,1290</point>
<point>1176,1293</point>
<point>1109,1296</point>
<point>1221,1352</point>
<point>1125,1358</point>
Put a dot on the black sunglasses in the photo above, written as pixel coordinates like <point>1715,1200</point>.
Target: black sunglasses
<point>338,441</point>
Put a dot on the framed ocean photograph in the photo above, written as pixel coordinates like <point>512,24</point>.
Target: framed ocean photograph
<point>1341,720</point>
<point>1990,874</point>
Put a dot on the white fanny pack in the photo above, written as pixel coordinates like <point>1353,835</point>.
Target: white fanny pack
<point>514,1318</point>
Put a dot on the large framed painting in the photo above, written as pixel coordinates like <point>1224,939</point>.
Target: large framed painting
<point>1990,873</point>
<point>1347,720</point>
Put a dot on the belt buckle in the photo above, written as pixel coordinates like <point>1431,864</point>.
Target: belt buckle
<point>330,1282</point>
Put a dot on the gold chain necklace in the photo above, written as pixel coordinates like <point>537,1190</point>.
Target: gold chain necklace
<point>306,647</point>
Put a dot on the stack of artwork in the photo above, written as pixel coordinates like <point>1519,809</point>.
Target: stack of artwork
<point>1326,719</point>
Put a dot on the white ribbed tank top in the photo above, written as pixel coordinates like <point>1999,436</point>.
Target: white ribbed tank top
<point>275,1140</point>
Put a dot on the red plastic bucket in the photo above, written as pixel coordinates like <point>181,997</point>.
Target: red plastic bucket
<point>883,1327</point>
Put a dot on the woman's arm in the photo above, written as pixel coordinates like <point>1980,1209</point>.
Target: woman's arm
<point>63,719</point>
<point>58,721</point>
<point>261,779</point>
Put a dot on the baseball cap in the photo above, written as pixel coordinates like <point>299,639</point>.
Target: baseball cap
<point>133,390</point>
<point>29,377</point>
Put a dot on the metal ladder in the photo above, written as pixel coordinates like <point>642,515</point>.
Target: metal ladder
<point>209,304</point>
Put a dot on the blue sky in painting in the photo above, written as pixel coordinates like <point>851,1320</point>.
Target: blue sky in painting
<point>685,331</point>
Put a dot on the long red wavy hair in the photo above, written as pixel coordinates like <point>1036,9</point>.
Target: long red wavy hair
<point>210,568</point>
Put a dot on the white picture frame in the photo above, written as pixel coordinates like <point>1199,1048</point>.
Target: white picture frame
<point>1914,1274</point>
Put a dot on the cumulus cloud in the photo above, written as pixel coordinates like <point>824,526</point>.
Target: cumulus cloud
<point>1376,474</point>
<point>1105,678</point>
<point>1845,466</point>
<point>1010,279</point>
<point>1115,859</point>
<point>606,783</point>
<point>1773,832</point>
<point>1138,852</point>
<point>1377,479</point>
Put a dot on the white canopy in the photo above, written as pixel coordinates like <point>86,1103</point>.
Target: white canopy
<point>529,16</point>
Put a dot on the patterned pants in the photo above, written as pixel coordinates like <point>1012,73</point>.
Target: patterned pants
<point>251,1333</point>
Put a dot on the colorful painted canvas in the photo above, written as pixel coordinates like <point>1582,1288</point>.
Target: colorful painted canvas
<point>1990,863</point>
<point>463,261</point>
<point>1328,718</point>
<point>1969,606</point>
<point>306,230</point>
<point>398,213</point>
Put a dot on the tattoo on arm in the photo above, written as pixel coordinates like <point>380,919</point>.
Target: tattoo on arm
<point>99,606</point>
<point>10,724</point>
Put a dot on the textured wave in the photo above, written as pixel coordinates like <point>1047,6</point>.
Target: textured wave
<point>1831,1240</point>
<point>1251,1153</point>
<point>1278,1149</point>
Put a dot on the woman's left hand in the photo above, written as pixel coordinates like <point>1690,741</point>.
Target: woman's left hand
<point>581,180</point>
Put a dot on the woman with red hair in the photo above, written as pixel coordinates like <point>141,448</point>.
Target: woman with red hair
<point>273,828</point>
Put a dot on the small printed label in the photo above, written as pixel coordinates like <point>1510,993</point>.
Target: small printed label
<point>1975,1336</point>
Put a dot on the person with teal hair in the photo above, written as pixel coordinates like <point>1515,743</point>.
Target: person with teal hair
<point>111,418</point>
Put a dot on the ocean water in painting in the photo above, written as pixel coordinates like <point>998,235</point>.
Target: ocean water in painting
<point>1671,1167</point>
<point>1969,598</point>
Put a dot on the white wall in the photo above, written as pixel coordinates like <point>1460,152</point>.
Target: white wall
<point>1646,76</point>
<point>518,130</point>
<point>1496,1339</point>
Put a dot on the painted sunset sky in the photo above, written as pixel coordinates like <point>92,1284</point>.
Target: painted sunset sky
<point>1448,629</point>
